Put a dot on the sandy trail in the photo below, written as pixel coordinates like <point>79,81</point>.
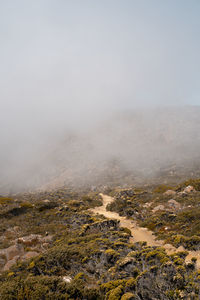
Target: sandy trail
<point>140,233</point>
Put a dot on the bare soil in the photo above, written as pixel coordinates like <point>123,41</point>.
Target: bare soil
<point>139,233</point>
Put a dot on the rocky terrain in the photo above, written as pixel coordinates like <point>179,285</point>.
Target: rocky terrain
<point>172,212</point>
<point>66,244</point>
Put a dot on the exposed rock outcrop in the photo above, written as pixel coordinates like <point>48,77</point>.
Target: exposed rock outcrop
<point>35,243</point>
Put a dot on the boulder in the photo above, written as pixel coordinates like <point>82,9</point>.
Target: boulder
<point>30,240</point>
<point>46,239</point>
<point>2,261</point>
<point>174,204</point>
<point>189,189</point>
<point>9,256</point>
<point>12,251</point>
<point>159,207</point>
<point>170,193</point>
<point>147,204</point>
<point>46,201</point>
<point>29,254</point>
<point>11,262</point>
<point>67,279</point>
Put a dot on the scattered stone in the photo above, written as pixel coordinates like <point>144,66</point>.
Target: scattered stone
<point>67,279</point>
<point>46,201</point>
<point>12,251</point>
<point>29,254</point>
<point>169,247</point>
<point>159,207</point>
<point>2,261</point>
<point>180,248</point>
<point>147,205</point>
<point>170,193</point>
<point>10,255</point>
<point>30,240</point>
<point>174,204</point>
<point>11,262</point>
<point>45,245</point>
<point>189,189</point>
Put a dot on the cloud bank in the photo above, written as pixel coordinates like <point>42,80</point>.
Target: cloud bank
<point>68,67</point>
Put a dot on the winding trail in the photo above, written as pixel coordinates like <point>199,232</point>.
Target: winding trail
<point>140,233</point>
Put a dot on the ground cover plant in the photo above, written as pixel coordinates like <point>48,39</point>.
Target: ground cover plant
<point>87,256</point>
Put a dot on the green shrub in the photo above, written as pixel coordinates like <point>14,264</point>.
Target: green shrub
<point>6,200</point>
<point>193,182</point>
<point>128,296</point>
<point>162,188</point>
<point>115,294</point>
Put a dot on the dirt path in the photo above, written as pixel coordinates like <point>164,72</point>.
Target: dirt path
<point>140,233</point>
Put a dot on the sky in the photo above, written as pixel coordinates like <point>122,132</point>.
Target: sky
<point>96,54</point>
<point>68,64</point>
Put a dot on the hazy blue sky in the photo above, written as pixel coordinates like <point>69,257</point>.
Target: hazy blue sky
<point>68,59</point>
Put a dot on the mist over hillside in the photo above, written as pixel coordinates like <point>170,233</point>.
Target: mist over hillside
<point>139,144</point>
<point>80,83</point>
<point>99,149</point>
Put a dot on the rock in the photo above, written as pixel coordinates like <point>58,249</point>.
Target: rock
<point>12,251</point>
<point>189,189</point>
<point>174,204</point>
<point>30,240</point>
<point>159,207</point>
<point>11,262</point>
<point>10,230</point>
<point>29,254</point>
<point>180,248</point>
<point>67,279</point>
<point>45,245</point>
<point>169,247</point>
<point>2,261</point>
<point>147,205</point>
<point>16,228</point>
<point>46,201</point>
<point>170,193</point>
<point>46,239</point>
<point>10,255</point>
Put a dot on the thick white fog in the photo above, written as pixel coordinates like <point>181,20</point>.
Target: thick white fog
<point>84,83</point>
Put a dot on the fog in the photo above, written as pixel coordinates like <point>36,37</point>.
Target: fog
<point>88,85</point>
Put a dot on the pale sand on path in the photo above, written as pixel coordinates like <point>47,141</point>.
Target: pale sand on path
<point>139,233</point>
